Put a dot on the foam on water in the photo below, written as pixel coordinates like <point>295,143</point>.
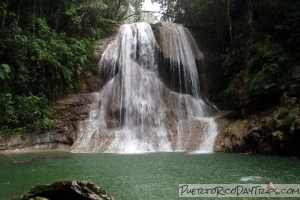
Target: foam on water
<point>133,112</point>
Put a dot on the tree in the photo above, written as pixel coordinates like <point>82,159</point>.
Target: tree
<point>46,48</point>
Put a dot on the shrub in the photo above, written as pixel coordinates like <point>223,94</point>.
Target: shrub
<point>21,114</point>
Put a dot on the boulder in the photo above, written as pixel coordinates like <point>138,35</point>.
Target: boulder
<point>278,135</point>
<point>256,137</point>
<point>231,136</point>
<point>266,148</point>
<point>282,113</point>
<point>291,102</point>
<point>294,90</point>
<point>66,190</point>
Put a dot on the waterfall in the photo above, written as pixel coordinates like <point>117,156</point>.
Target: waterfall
<point>180,48</point>
<point>135,112</point>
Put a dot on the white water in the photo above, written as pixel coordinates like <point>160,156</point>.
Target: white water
<point>209,136</point>
<point>135,112</point>
<point>180,47</point>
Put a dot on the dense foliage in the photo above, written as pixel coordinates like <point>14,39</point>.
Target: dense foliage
<point>46,48</point>
<point>24,113</point>
<point>258,43</point>
<point>261,57</point>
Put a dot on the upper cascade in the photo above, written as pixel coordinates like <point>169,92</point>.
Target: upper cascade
<point>179,46</point>
<point>134,43</point>
<point>135,112</point>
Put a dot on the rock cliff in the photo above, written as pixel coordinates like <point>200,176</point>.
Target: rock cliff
<point>275,130</point>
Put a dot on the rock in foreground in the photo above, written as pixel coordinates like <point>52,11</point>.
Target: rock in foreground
<point>67,190</point>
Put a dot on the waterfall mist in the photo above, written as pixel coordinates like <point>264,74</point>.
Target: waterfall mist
<point>135,112</point>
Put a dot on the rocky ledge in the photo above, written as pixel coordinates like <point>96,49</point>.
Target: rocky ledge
<point>67,189</point>
<point>273,131</point>
<point>66,115</point>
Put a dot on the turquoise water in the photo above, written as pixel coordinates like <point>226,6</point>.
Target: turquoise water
<point>143,176</point>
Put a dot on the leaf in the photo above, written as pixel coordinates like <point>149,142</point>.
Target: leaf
<point>71,11</point>
<point>6,68</point>
<point>4,71</point>
<point>2,75</point>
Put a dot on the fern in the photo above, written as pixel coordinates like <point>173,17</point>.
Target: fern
<point>4,71</point>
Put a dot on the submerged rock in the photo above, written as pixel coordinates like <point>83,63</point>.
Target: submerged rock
<point>40,158</point>
<point>66,190</point>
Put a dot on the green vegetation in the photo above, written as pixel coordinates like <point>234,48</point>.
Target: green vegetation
<point>261,57</point>
<point>21,114</point>
<point>258,43</point>
<point>46,49</point>
<point>256,75</point>
<point>287,124</point>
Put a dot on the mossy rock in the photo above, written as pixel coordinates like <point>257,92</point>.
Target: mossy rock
<point>287,124</point>
<point>270,126</point>
<point>66,190</point>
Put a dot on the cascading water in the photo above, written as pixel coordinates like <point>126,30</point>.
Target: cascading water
<point>180,48</point>
<point>135,112</point>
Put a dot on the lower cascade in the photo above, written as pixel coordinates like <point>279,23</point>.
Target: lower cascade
<point>151,101</point>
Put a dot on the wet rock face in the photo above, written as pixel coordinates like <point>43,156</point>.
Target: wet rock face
<point>68,189</point>
<point>66,114</point>
<point>274,131</point>
<point>34,141</point>
<point>69,113</point>
<point>231,137</point>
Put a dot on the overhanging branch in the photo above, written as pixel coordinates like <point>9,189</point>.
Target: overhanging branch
<point>140,12</point>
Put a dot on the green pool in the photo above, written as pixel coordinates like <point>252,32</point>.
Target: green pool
<point>142,176</point>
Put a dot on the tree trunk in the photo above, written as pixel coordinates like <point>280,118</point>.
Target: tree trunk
<point>250,14</point>
<point>34,17</point>
<point>3,18</point>
<point>19,11</point>
<point>229,20</point>
<point>4,14</point>
<point>117,9</point>
<point>250,11</point>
